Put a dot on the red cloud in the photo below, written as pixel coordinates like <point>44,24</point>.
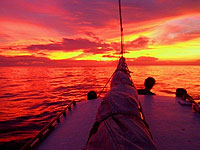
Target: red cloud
<point>145,59</point>
<point>24,61</point>
<point>110,56</point>
<point>73,45</point>
<point>93,36</point>
<point>42,61</point>
<point>146,10</point>
<point>139,43</point>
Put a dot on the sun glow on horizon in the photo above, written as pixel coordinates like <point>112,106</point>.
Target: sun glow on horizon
<point>97,57</point>
<point>59,55</point>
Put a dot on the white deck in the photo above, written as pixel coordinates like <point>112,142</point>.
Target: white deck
<point>73,132</point>
<point>173,126</point>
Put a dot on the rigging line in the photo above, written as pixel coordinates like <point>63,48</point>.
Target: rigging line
<point>122,45</point>
<point>121,29</point>
<point>105,85</point>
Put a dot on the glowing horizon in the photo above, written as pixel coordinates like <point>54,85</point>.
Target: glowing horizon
<point>154,31</point>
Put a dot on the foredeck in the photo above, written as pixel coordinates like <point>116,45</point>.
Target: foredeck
<point>173,126</point>
<point>73,131</point>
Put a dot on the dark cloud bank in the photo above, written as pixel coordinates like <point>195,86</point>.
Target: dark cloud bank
<point>42,61</point>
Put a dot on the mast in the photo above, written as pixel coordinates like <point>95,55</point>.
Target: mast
<point>121,29</point>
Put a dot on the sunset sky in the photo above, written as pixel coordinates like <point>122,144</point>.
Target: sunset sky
<point>87,32</point>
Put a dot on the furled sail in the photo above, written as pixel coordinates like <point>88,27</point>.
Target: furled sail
<point>119,121</point>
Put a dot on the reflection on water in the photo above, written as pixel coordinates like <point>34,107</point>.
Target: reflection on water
<point>31,97</point>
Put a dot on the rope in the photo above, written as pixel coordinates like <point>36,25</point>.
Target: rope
<point>126,71</point>
<point>121,29</point>
<point>105,85</point>
<point>122,44</point>
<point>96,124</point>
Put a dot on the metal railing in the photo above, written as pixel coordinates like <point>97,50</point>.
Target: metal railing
<point>35,141</point>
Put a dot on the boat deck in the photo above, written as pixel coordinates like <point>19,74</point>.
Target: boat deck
<point>172,125</point>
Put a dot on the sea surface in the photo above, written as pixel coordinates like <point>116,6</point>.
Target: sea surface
<point>30,97</point>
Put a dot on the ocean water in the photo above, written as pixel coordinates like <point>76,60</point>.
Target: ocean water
<point>30,97</point>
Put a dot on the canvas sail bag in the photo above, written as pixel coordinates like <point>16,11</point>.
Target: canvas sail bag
<point>119,124</point>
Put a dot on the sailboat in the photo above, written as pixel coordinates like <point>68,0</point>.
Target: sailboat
<point>121,120</point>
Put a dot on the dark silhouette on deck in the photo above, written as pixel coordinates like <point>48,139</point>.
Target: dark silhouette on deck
<point>91,95</point>
<point>149,83</point>
<point>182,93</point>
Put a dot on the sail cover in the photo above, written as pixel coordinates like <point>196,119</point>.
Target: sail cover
<point>119,121</point>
